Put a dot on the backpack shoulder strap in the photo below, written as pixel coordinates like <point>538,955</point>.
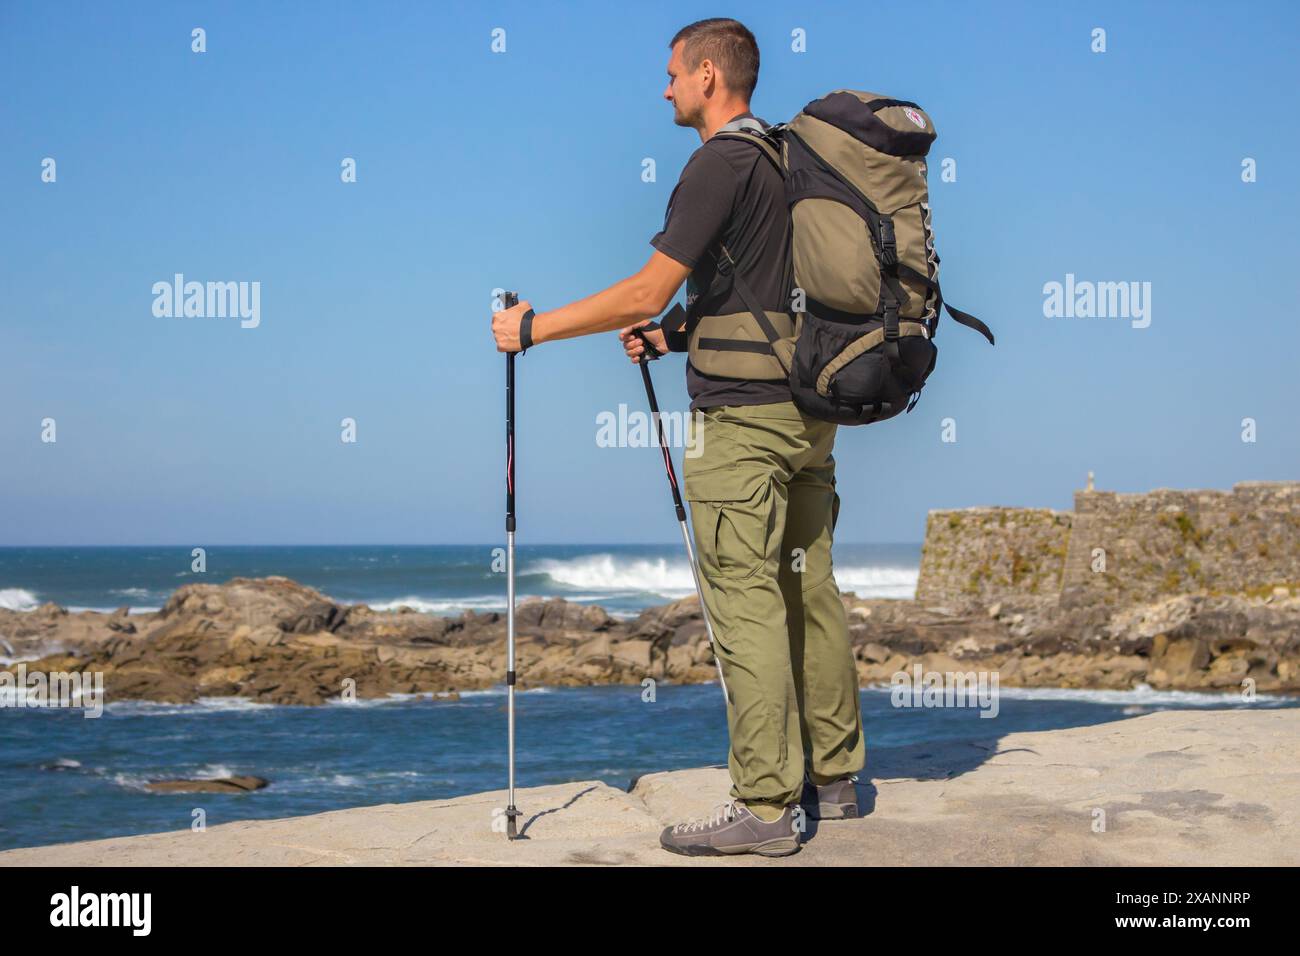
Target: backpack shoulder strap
<point>763,141</point>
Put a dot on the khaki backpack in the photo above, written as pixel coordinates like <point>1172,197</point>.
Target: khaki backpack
<point>857,344</point>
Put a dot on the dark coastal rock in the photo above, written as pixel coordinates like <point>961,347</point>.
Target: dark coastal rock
<point>215,785</point>
<point>161,684</point>
<point>667,620</point>
<point>559,614</point>
<point>273,601</point>
<point>405,626</point>
<point>319,616</point>
<point>120,621</point>
<point>1196,641</point>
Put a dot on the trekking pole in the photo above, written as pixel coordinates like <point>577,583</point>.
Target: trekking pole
<point>677,500</point>
<point>510,299</point>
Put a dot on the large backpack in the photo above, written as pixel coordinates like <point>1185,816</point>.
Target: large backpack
<point>857,344</point>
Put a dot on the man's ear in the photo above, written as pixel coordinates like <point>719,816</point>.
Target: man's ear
<point>709,75</point>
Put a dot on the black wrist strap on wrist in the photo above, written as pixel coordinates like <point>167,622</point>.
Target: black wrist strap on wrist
<point>526,332</point>
<point>641,334</point>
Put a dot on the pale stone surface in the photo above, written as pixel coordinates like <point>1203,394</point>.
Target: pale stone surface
<point>1177,788</point>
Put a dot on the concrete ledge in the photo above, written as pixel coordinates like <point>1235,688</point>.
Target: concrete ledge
<point>1177,788</point>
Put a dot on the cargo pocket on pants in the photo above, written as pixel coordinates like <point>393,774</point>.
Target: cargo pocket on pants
<point>732,533</point>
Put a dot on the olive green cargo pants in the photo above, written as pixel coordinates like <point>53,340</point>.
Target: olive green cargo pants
<point>763,506</point>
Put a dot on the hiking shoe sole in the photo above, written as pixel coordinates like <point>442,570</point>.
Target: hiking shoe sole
<point>770,848</point>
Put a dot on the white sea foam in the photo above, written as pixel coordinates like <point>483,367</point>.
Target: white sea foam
<point>132,781</point>
<point>454,606</point>
<point>77,609</point>
<point>873,581</point>
<point>671,578</point>
<point>1143,695</point>
<point>606,572</point>
<point>485,602</point>
<point>213,771</point>
<point>1137,700</point>
<point>500,691</point>
<point>204,705</point>
<point>379,778</point>
<point>393,697</point>
<point>18,599</point>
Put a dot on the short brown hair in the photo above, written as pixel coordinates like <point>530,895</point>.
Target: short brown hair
<point>729,44</point>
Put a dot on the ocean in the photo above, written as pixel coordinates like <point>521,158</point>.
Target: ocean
<point>64,777</point>
<point>439,579</point>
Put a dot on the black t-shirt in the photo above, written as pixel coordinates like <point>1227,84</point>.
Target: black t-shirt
<point>730,194</point>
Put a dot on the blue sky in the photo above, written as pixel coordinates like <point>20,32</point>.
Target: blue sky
<point>479,170</point>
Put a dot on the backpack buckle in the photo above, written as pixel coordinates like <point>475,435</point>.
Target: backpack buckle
<point>891,323</point>
<point>888,244</point>
<point>724,263</point>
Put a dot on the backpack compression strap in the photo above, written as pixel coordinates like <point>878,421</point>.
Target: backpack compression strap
<point>964,318</point>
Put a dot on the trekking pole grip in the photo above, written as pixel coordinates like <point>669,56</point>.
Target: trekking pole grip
<point>650,351</point>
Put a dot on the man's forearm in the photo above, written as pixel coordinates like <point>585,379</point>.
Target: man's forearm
<point>621,304</point>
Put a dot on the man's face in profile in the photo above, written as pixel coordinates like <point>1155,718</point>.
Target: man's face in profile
<point>685,89</point>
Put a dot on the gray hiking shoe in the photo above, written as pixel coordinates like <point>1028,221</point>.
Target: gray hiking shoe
<point>837,800</point>
<point>732,829</point>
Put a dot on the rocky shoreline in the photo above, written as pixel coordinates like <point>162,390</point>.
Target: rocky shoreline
<point>276,641</point>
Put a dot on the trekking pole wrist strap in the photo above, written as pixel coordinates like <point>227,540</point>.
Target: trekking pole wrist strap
<point>526,332</point>
<point>649,346</point>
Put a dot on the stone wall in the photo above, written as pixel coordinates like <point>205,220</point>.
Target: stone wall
<point>1118,548</point>
<point>1170,542</point>
<point>980,554</point>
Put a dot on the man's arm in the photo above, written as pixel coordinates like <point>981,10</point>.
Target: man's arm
<point>633,300</point>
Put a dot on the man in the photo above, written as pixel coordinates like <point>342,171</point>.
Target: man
<point>762,493</point>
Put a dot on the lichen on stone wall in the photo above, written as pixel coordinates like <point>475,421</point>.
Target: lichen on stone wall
<point>1117,547</point>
